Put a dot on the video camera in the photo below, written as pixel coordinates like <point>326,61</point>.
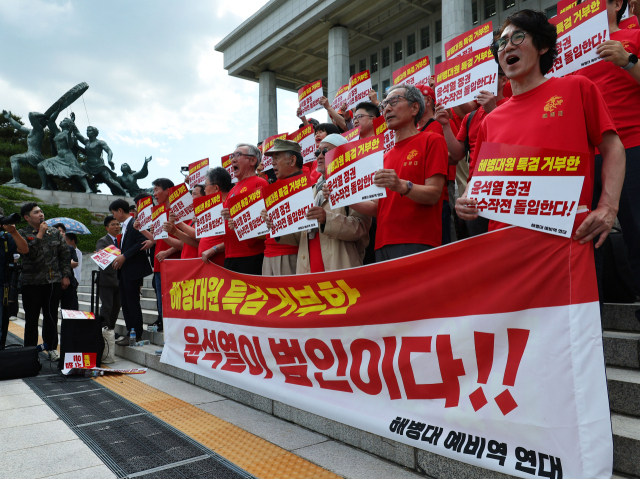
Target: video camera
<point>12,219</point>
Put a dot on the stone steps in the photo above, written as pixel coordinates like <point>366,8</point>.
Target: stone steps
<point>146,292</point>
<point>146,303</point>
<point>621,317</point>
<point>622,349</point>
<point>624,391</point>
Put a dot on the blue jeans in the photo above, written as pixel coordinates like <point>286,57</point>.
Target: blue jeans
<point>156,280</point>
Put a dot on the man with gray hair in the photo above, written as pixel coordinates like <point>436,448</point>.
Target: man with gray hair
<point>243,256</point>
<point>415,171</point>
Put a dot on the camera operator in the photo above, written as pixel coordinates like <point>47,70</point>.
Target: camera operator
<point>46,269</point>
<point>10,243</point>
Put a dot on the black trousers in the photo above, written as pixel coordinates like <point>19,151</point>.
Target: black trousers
<point>393,251</point>
<point>110,307</point>
<point>130,300</point>
<point>245,265</point>
<point>37,297</point>
<point>69,298</point>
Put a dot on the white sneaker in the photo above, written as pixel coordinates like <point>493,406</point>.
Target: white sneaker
<point>53,355</point>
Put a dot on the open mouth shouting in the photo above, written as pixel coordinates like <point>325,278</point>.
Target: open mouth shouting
<point>512,59</point>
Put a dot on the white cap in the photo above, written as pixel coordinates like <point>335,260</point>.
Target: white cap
<point>334,139</point>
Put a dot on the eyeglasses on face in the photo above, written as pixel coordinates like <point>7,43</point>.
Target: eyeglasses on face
<point>361,116</point>
<point>516,39</point>
<point>393,101</point>
<point>323,152</point>
<point>239,154</point>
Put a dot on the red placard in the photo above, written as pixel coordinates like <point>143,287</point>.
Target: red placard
<point>305,137</point>
<point>208,220</point>
<point>475,39</point>
<point>144,206</point>
<point>158,217</point>
<point>380,128</point>
<point>197,172</point>
<point>287,202</point>
<point>341,97</point>
<point>359,88</point>
<point>352,134</point>
<point>309,97</point>
<point>267,144</point>
<point>226,164</point>
<point>245,210</point>
<point>415,73</point>
<point>181,203</point>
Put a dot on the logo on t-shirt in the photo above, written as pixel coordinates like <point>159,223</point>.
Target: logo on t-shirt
<point>243,189</point>
<point>412,154</point>
<point>552,105</point>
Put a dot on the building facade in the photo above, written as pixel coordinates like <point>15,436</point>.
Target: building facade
<point>290,43</point>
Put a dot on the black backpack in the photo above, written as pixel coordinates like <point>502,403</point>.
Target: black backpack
<point>17,362</point>
<point>617,278</point>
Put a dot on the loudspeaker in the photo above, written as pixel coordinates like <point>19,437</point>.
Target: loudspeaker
<point>81,336</point>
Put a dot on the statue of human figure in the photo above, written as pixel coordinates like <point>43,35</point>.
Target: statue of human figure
<point>64,164</point>
<point>95,164</point>
<point>129,179</point>
<point>33,155</point>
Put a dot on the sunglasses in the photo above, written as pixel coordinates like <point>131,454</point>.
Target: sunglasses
<point>323,152</point>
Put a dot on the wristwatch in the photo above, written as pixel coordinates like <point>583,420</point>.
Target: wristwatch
<point>633,59</point>
<point>409,188</point>
<point>215,250</point>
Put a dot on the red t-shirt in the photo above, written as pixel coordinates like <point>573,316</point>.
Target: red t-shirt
<point>565,113</point>
<point>436,127</point>
<point>476,121</point>
<point>310,169</point>
<point>619,89</point>
<point>189,251</point>
<point>272,248</point>
<point>456,119</point>
<point>400,219</point>
<point>316,263</point>
<point>234,248</point>
<point>210,242</point>
<point>161,245</point>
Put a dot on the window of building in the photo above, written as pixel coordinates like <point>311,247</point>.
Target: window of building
<point>374,87</point>
<point>374,62</point>
<point>385,57</point>
<point>438,31</point>
<point>352,70</point>
<point>474,12</point>
<point>551,11</point>
<point>425,41</point>
<point>363,64</point>
<point>385,85</point>
<point>489,8</point>
<point>411,44</point>
<point>397,49</point>
<point>509,4</point>
<point>439,59</point>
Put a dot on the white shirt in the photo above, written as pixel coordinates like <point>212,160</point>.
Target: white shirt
<point>114,239</point>
<point>78,270</point>
<point>124,229</point>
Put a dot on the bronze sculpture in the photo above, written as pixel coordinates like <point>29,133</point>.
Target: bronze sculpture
<point>129,178</point>
<point>94,165</point>
<point>33,155</point>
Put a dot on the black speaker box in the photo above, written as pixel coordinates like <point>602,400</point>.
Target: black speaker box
<point>81,336</point>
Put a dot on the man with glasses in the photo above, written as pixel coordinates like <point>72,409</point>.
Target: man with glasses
<point>281,259</point>
<point>415,171</point>
<point>243,256</point>
<point>366,112</point>
<point>565,113</point>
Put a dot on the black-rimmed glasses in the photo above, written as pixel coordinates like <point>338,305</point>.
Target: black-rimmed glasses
<point>393,101</point>
<point>516,39</point>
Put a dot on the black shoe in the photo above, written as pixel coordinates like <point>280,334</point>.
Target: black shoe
<point>124,341</point>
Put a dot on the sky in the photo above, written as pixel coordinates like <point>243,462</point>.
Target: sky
<point>156,85</point>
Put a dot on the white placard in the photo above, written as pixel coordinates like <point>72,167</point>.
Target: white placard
<point>355,183</point>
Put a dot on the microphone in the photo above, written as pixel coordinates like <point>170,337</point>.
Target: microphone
<point>42,347</point>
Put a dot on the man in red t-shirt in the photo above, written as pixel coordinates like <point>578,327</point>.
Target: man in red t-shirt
<point>618,79</point>
<point>465,139</point>
<point>366,112</point>
<point>243,256</point>
<point>564,113</point>
<point>281,259</point>
<point>415,171</point>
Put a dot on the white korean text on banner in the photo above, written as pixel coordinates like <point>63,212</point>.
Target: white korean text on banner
<point>342,96</point>
<point>209,222</point>
<point>245,211</point>
<point>287,203</point>
<point>580,30</point>
<point>309,97</point>
<point>415,73</point>
<point>306,138</point>
<point>460,79</point>
<point>380,128</point>
<point>535,188</point>
<point>181,203</point>
<point>475,39</point>
<point>144,206</point>
<point>158,217</point>
<point>350,171</point>
<point>352,135</point>
<point>105,257</point>
<point>359,88</point>
<point>267,144</point>
<point>197,172</point>
<point>508,376</point>
<point>226,164</point>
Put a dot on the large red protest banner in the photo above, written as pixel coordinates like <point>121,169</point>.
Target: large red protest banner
<point>475,39</point>
<point>505,375</point>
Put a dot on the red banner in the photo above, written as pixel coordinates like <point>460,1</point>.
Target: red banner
<point>353,134</point>
<point>359,88</point>
<point>309,97</point>
<point>478,38</point>
<point>226,164</point>
<point>287,203</point>
<point>208,220</point>
<point>267,144</point>
<point>144,206</point>
<point>497,377</point>
<point>181,203</point>
<point>158,217</point>
<point>415,73</point>
<point>305,137</point>
<point>245,211</point>
<point>197,172</point>
<point>341,97</point>
<point>380,128</point>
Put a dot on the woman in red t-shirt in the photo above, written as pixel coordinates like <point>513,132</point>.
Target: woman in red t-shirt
<point>583,124</point>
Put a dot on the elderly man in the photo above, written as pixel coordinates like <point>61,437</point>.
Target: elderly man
<point>243,256</point>
<point>415,172</point>
<point>343,234</point>
<point>526,49</point>
<point>281,259</point>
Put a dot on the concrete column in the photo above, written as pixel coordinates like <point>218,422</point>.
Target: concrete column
<point>338,59</point>
<point>456,19</point>
<point>267,106</point>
